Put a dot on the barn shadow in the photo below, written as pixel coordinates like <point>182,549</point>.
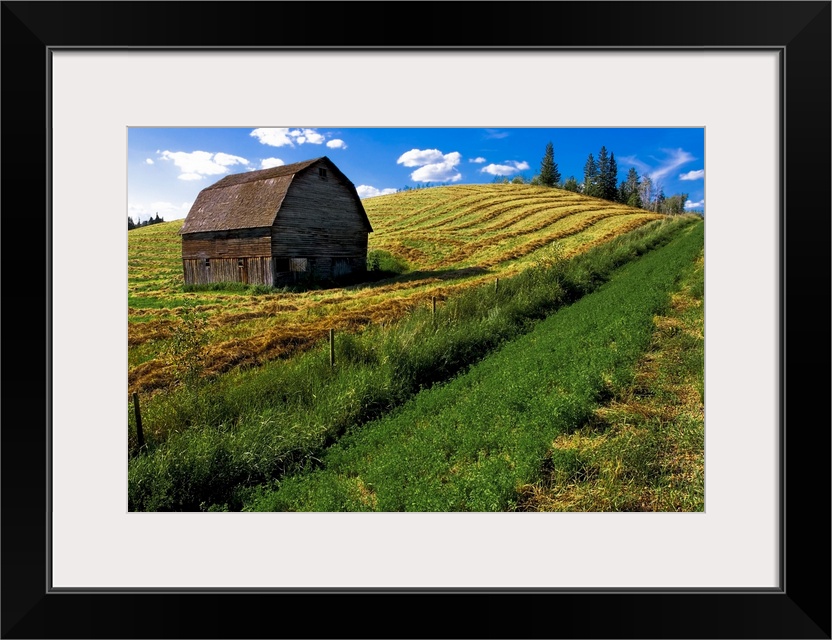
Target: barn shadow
<point>380,278</point>
<point>374,279</point>
<point>351,282</point>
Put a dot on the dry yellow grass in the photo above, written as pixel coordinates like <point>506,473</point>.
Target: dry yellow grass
<point>452,237</point>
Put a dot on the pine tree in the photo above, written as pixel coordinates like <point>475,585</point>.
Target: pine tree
<point>571,184</point>
<point>607,175</point>
<point>628,193</point>
<point>591,177</point>
<point>130,223</point>
<point>603,172</point>
<point>549,174</point>
<point>610,190</point>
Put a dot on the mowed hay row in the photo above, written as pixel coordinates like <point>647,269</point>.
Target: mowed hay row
<point>459,236</point>
<point>527,217</point>
<point>413,209</point>
<point>442,247</point>
<point>499,210</point>
<point>279,341</point>
<point>444,205</point>
<point>463,214</point>
<point>409,209</point>
<point>498,248</point>
<point>251,339</point>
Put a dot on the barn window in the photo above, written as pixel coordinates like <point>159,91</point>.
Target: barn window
<point>322,172</point>
<point>207,263</point>
<point>298,264</point>
<point>281,264</point>
<point>240,263</point>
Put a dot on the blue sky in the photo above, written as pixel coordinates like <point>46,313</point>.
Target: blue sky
<point>167,167</point>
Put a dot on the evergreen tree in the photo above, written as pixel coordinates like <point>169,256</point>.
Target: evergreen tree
<point>571,184</point>
<point>607,176</point>
<point>610,190</point>
<point>603,172</point>
<point>130,223</point>
<point>591,177</point>
<point>628,192</point>
<point>548,168</point>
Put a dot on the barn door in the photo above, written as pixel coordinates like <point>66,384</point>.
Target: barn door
<point>242,267</point>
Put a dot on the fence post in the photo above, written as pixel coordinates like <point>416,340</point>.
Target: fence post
<point>332,347</point>
<point>496,284</point>
<point>433,305</point>
<point>138,412</point>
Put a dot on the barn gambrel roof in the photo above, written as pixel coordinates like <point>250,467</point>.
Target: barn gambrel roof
<point>252,199</point>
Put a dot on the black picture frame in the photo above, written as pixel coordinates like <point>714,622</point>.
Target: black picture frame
<point>800,608</point>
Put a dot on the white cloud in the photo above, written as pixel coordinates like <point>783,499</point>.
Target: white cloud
<point>420,157</point>
<point>227,160</point>
<point>284,137</point>
<point>694,205</point>
<point>632,161</point>
<point>273,137</point>
<point>198,164</point>
<point>149,161</point>
<point>336,144</point>
<point>507,169</point>
<point>434,166</point>
<point>166,210</point>
<point>674,158</point>
<point>692,175</point>
<point>307,135</point>
<point>366,191</point>
<point>478,160</point>
<point>268,163</point>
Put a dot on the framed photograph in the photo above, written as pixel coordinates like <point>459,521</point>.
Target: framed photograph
<point>80,76</point>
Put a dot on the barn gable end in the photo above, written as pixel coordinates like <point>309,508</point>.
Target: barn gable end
<point>276,226</point>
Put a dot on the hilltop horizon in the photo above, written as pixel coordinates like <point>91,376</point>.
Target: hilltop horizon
<point>167,167</point>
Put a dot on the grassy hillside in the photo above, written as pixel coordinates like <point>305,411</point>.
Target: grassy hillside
<point>476,443</point>
<point>205,444</point>
<point>450,238</point>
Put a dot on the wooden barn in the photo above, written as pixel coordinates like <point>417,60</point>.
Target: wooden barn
<point>277,226</point>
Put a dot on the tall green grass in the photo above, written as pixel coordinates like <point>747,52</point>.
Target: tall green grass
<point>643,450</point>
<point>470,445</point>
<point>205,444</point>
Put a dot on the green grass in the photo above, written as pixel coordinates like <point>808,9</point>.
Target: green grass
<point>205,445</point>
<point>643,450</point>
<point>471,444</point>
<point>237,287</point>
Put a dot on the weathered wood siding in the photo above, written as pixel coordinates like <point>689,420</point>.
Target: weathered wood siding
<point>319,218</point>
<point>257,270</point>
<point>238,243</point>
